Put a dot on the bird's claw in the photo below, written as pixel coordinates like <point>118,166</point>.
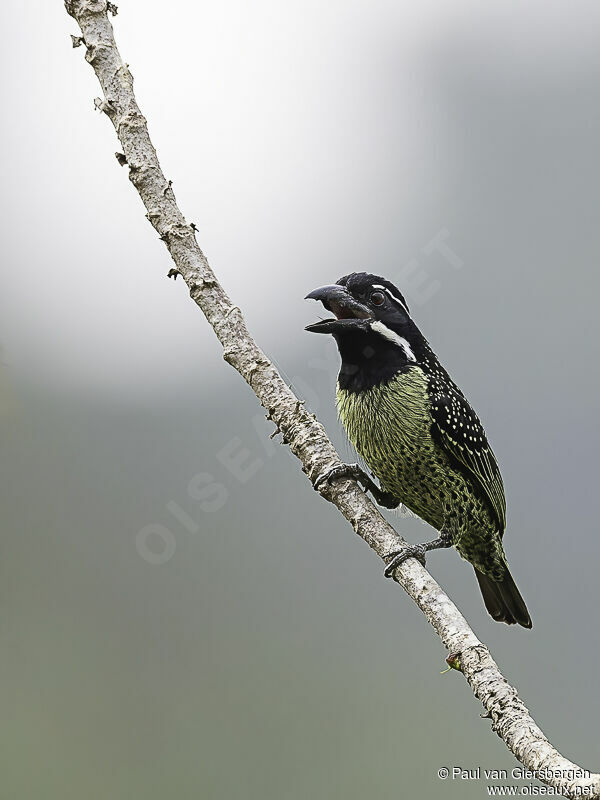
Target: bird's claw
<point>355,472</point>
<point>417,551</point>
<point>410,551</point>
<point>339,472</point>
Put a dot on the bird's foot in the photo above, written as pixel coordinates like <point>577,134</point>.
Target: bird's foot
<point>418,551</point>
<point>358,474</point>
<point>343,471</point>
<point>410,551</point>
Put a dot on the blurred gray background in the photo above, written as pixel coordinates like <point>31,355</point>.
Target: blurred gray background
<point>249,647</point>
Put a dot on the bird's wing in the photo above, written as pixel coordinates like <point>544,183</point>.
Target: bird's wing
<point>461,434</point>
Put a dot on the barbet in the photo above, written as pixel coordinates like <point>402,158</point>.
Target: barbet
<point>418,435</point>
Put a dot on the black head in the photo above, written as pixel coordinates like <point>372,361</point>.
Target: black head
<point>372,327</point>
<point>360,296</point>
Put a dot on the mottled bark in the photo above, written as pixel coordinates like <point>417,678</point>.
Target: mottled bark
<point>300,429</point>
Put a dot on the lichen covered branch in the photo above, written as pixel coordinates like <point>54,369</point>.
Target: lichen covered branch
<point>300,429</point>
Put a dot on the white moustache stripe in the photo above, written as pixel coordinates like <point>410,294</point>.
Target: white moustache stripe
<point>392,336</point>
<point>391,294</point>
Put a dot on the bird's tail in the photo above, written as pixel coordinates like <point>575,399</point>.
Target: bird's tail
<point>503,600</point>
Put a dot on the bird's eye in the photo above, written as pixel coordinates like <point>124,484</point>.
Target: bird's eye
<point>377,298</point>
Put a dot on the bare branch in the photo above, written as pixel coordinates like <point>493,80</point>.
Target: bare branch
<point>300,429</point>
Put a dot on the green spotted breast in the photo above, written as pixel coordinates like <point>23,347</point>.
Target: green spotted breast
<point>391,426</point>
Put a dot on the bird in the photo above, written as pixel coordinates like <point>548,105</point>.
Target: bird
<point>417,434</point>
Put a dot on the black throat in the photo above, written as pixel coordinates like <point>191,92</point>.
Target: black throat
<point>368,359</point>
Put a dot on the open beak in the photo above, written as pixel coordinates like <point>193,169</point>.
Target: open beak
<point>337,299</point>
